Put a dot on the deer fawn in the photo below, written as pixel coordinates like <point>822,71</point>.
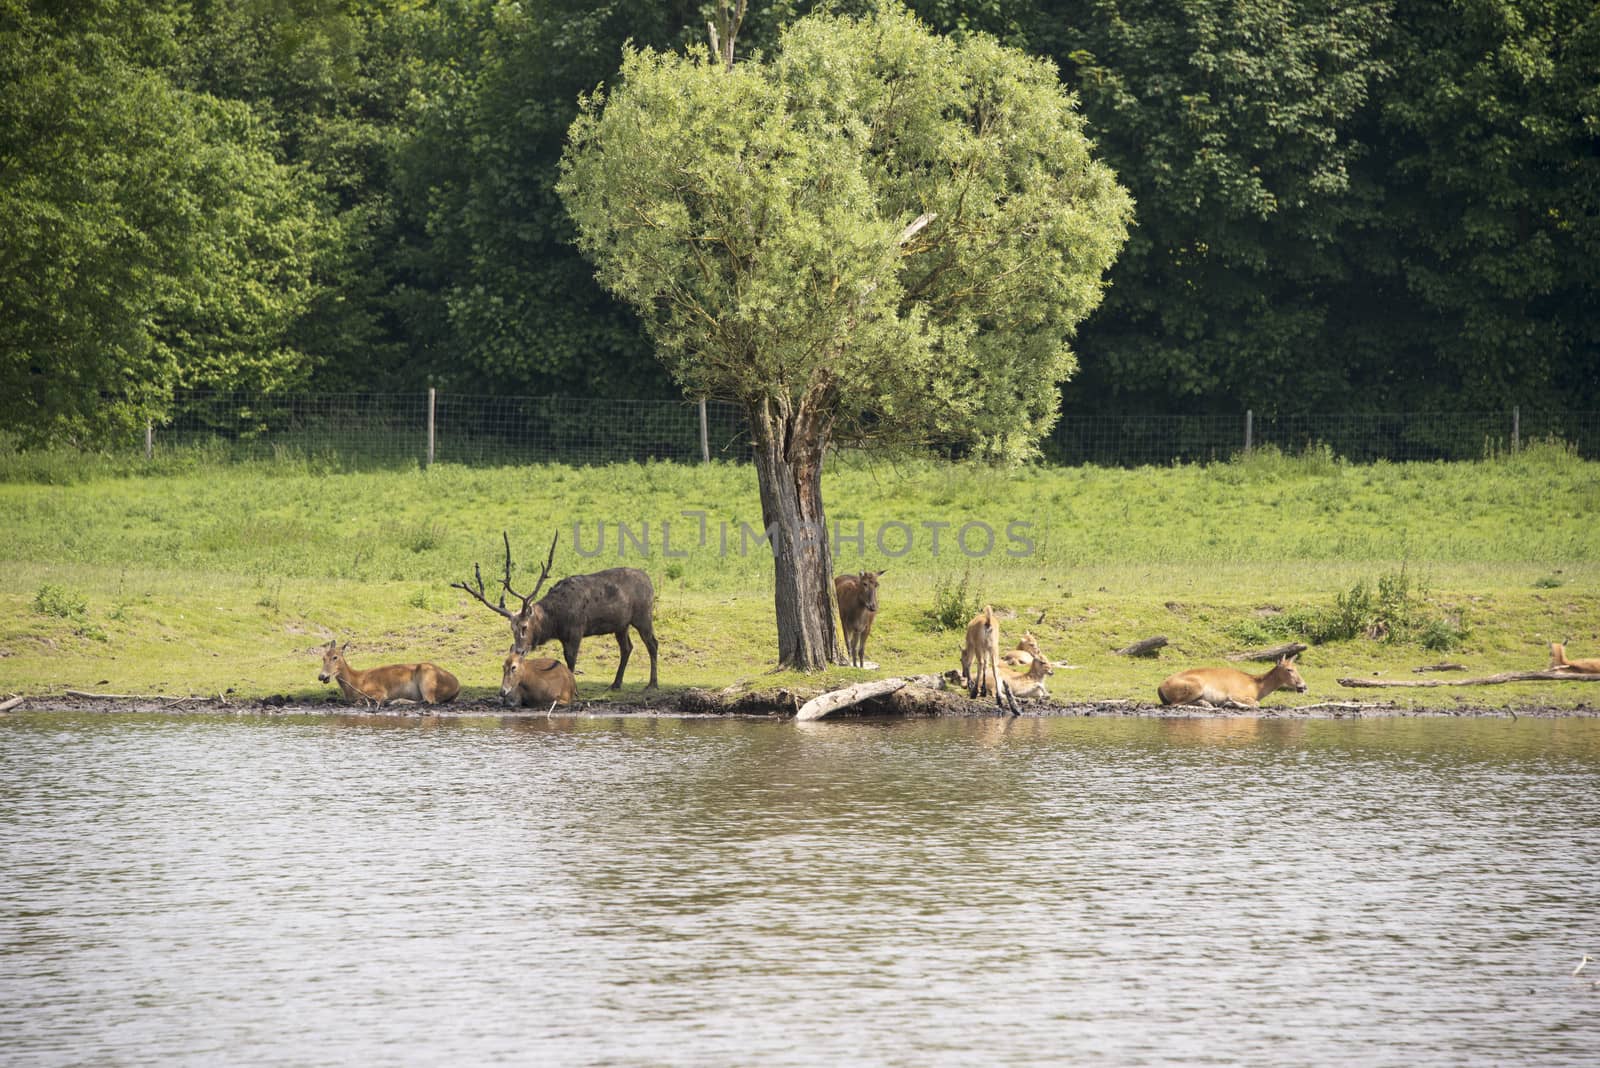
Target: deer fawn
<point>425,683</point>
<point>536,681</point>
<point>980,657</point>
<point>1026,652</point>
<point>858,607</point>
<point>1028,683</point>
<point>1229,686</point>
<point>1559,661</point>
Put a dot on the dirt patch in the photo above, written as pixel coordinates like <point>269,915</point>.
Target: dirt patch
<point>910,702</point>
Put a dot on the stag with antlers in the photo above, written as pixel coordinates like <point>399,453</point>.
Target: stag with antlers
<point>577,607</point>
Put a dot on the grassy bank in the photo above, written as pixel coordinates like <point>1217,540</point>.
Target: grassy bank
<point>207,577</point>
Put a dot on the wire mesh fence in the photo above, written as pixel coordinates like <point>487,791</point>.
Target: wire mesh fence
<point>424,428</point>
<point>1133,440</point>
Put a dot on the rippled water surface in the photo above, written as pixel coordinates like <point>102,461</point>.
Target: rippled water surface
<point>182,890</point>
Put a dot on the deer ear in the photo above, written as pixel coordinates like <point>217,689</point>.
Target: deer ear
<point>882,573</point>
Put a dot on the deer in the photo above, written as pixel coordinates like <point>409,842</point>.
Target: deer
<point>858,607</point>
<point>1559,661</point>
<point>980,657</point>
<point>577,607</point>
<point>1229,686</point>
<point>1027,683</point>
<point>536,681</point>
<point>424,683</point>
<point>1026,652</point>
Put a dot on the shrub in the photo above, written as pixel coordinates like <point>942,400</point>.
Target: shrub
<point>954,602</point>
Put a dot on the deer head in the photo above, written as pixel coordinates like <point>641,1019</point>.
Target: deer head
<point>332,661</point>
<point>869,590</point>
<point>523,616</point>
<point>1289,675</point>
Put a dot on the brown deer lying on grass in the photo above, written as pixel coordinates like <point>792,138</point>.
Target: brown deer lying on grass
<point>536,681</point>
<point>1026,652</point>
<point>579,607</point>
<point>1559,661</point>
<point>858,607</point>
<point>1028,684</point>
<point>425,683</point>
<point>1229,686</point>
<point>980,657</point>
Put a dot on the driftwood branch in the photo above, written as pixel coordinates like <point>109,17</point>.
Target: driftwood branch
<point>1148,647</point>
<point>7,706</point>
<point>1287,649</point>
<point>834,700</point>
<point>1425,668</point>
<point>1488,680</point>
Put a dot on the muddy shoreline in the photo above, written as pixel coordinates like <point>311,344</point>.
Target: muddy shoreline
<point>909,703</point>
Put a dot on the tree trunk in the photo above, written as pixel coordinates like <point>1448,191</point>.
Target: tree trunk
<point>789,448</point>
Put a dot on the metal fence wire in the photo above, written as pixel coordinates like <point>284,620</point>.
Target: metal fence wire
<point>428,427</point>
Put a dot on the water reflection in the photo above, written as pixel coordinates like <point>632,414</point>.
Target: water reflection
<point>642,890</point>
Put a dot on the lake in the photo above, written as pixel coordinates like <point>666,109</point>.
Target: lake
<point>373,890</point>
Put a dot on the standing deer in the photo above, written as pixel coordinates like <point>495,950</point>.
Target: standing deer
<point>980,656</point>
<point>426,683</point>
<point>1559,661</point>
<point>858,607</point>
<point>536,681</point>
<point>1229,686</point>
<point>578,607</point>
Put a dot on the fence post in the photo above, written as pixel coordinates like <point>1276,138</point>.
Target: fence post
<point>1516,427</point>
<point>705,439</point>
<point>149,440</point>
<point>1249,428</point>
<point>431,399</point>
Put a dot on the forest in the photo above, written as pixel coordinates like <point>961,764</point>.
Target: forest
<point>1339,205</point>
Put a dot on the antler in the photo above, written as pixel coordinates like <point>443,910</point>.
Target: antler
<point>544,572</point>
<point>505,581</point>
<point>478,593</point>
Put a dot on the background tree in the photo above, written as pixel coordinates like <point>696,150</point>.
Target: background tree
<point>1235,124</point>
<point>1484,284</point>
<point>879,234</point>
<point>148,236</point>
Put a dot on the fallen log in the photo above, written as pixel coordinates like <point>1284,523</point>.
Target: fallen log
<point>834,700</point>
<point>1287,649</point>
<point>1487,680</point>
<point>1148,647</point>
<point>7,706</point>
<point>1424,669</point>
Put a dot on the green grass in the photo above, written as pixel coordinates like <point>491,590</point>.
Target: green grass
<point>205,576</point>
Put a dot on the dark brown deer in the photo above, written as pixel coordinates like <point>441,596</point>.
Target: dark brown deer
<point>858,607</point>
<point>578,607</point>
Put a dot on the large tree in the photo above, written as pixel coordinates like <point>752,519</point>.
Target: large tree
<point>877,234</point>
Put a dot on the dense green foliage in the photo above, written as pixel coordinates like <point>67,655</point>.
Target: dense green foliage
<point>1340,203</point>
<point>881,234</point>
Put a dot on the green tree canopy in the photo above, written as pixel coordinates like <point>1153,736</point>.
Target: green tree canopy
<point>148,237</point>
<point>878,234</point>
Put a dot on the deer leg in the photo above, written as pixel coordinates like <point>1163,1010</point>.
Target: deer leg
<point>569,651</point>
<point>647,634</point>
<point>624,647</point>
